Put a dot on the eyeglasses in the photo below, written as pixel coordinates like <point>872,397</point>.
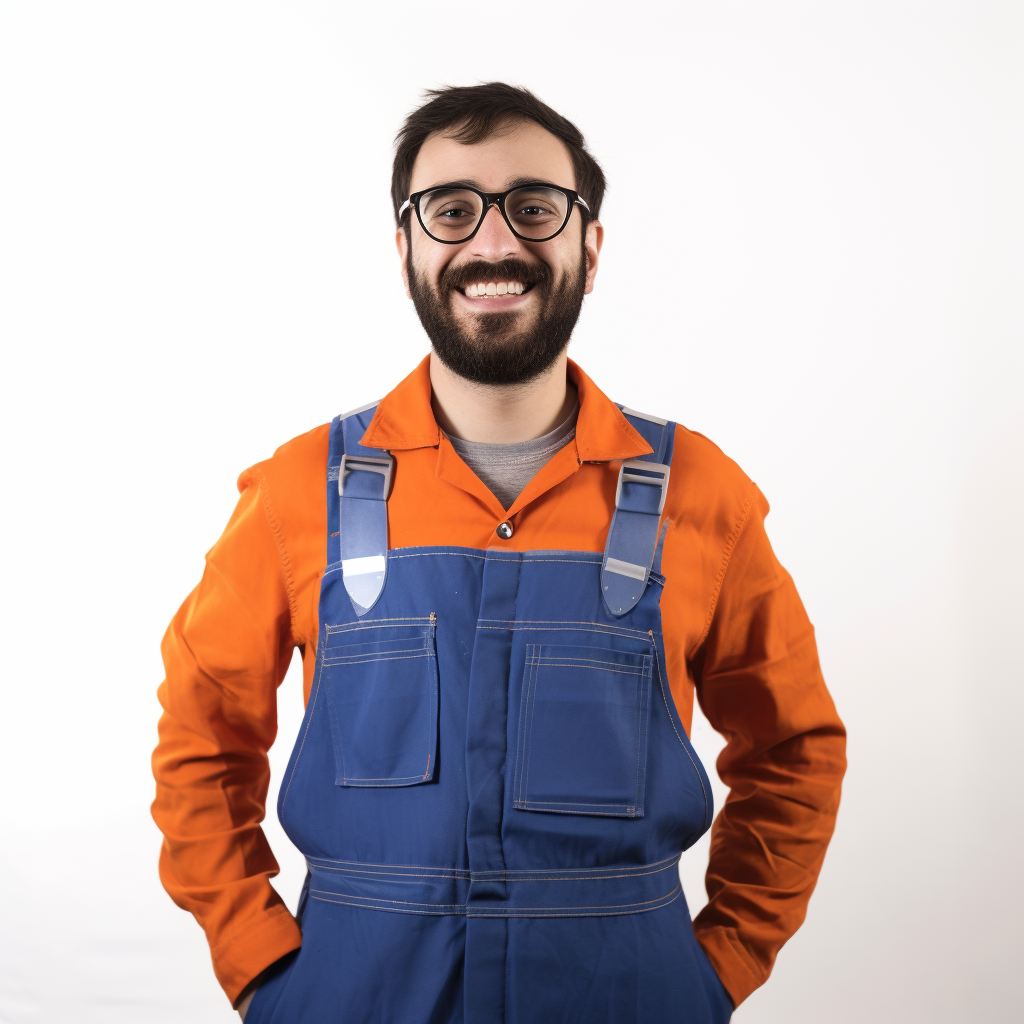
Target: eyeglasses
<point>534,212</point>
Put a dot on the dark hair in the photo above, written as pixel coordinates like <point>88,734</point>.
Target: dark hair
<point>472,113</point>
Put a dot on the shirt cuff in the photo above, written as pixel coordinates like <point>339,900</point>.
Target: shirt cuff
<point>732,963</point>
<point>242,957</point>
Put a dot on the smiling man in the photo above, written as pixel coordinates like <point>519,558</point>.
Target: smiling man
<point>506,591</point>
<point>500,308</point>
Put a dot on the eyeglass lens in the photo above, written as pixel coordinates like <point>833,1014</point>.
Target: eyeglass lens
<point>452,214</point>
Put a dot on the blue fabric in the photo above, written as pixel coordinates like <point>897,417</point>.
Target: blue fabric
<point>383,710</point>
<point>660,436</point>
<point>492,788</point>
<point>583,725</point>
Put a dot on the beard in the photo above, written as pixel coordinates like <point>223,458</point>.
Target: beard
<point>500,348</point>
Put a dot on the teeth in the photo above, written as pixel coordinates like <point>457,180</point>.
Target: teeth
<point>474,291</point>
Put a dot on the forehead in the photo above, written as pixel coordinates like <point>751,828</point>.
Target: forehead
<point>525,151</point>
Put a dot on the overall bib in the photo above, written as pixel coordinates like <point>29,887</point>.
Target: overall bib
<point>491,785</point>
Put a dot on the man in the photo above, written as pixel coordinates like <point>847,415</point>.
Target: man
<point>506,592</point>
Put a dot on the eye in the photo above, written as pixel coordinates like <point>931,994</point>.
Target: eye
<point>533,210</point>
<point>537,210</point>
<point>446,209</point>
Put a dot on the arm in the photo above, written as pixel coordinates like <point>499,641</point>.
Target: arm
<point>225,653</point>
<point>759,683</point>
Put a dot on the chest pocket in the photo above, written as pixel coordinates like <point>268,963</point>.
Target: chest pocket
<point>582,739</point>
<point>381,683</point>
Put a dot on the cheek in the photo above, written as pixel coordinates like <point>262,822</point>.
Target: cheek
<point>430,270</point>
<point>566,260</point>
<point>424,261</point>
<point>566,271</point>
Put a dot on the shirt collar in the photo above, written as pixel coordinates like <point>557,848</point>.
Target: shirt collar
<point>404,419</point>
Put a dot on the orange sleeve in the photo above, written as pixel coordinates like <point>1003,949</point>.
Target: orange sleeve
<point>225,654</point>
<point>759,683</point>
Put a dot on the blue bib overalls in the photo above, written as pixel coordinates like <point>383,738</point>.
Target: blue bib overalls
<point>491,784</point>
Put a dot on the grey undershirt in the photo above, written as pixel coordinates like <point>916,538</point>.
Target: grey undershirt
<point>508,468</point>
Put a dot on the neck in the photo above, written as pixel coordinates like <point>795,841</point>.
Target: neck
<point>500,414</point>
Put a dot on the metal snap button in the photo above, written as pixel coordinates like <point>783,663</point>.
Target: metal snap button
<point>504,530</point>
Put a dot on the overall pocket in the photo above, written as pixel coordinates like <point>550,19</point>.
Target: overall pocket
<point>381,683</point>
<point>582,743</point>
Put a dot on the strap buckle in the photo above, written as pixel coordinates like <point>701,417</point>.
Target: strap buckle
<point>366,464</point>
<point>636,471</point>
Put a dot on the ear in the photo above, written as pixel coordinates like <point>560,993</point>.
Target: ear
<point>402,243</point>
<point>593,241</point>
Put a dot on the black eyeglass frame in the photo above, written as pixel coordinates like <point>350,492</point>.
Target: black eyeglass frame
<point>494,199</point>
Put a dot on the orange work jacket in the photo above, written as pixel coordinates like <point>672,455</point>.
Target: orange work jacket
<point>735,632</point>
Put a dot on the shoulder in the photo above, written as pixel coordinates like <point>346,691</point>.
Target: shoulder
<point>707,488</point>
<point>292,488</point>
<point>295,466</point>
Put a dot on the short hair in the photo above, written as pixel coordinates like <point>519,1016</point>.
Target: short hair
<point>472,113</point>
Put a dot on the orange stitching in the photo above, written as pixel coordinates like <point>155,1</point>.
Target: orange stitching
<point>263,490</point>
<point>730,544</point>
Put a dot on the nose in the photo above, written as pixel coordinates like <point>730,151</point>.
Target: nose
<point>494,241</point>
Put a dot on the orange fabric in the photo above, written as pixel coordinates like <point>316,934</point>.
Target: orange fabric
<point>735,633</point>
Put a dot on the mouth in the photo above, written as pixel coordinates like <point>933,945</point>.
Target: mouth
<point>494,289</point>
<point>493,295</point>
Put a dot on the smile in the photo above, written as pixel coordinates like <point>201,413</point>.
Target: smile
<point>488,289</point>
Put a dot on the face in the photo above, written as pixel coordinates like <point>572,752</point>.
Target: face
<point>484,336</point>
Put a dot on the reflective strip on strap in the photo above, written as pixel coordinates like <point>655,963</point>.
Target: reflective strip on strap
<point>636,572</point>
<point>362,566</point>
<point>364,482</point>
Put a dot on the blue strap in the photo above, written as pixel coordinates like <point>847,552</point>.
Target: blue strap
<point>335,450</point>
<point>639,500</point>
<point>358,485</point>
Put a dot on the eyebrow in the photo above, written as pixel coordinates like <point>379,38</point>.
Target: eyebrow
<point>472,183</point>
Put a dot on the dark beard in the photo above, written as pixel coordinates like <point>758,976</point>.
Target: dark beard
<point>500,354</point>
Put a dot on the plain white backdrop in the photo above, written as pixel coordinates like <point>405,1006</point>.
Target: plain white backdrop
<point>813,255</point>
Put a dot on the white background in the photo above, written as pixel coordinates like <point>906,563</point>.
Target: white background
<point>813,255</point>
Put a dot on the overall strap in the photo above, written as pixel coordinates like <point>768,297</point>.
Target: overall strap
<point>639,500</point>
<point>358,485</point>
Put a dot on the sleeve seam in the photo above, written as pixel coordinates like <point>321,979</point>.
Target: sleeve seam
<point>730,545</point>
<point>282,554</point>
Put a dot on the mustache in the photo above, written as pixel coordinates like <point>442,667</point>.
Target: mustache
<point>504,270</point>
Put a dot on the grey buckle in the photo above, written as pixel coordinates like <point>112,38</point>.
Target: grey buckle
<point>366,464</point>
<point>630,471</point>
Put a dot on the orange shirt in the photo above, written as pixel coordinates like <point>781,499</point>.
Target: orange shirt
<point>735,633</point>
